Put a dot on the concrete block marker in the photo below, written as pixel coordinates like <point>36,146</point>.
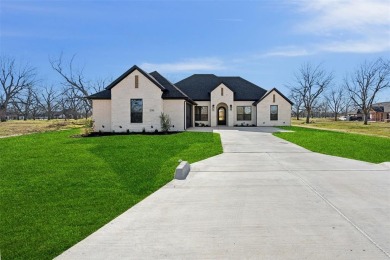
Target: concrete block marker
<point>182,170</point>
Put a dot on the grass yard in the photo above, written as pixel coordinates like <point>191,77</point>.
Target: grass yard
<point>373,128</point>
<point>354,146</point>
<point>20,127</point>
<point>55,190</point>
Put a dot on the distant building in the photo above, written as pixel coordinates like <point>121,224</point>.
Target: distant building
<point>380,112</point>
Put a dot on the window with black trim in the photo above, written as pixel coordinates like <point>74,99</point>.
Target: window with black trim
<point>201,113</point>
<point>136,107</point>
<point>244,113</point>
<point>274,112</point>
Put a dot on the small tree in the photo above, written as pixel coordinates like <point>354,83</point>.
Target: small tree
<point>74,81</point>
<point>336,100</point>
<point>311,81</point>
<point>366,81</point>
<point>165,122</point>
<point>13,80</point>
<point>298,102</point>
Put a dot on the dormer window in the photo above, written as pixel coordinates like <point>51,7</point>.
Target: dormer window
<point>136,81</point>
<point>221,91</point>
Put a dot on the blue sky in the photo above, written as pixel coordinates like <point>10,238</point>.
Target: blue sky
<point>262,41</point>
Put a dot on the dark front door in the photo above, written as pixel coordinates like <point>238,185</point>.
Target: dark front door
<point>221,116</point>
<point>188,115</point>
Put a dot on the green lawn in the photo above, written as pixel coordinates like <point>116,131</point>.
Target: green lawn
<point>354,146</point>
<point>56,190</point>
<point>381,129</point>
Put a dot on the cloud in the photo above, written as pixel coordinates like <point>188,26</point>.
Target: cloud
<point>356,46</point>
<point>203,64</point>
<point>346,46</point>
<point>340,26</point>
<point>353,16</point>
<point>290,51</point>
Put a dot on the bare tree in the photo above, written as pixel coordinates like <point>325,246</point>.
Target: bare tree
<point>336,101</point>
<point>73,105</point>
<point>366,82</point>
<point>25,102</point>
<point>36,106</point>
<point>74,81</point>
<point>48,101</point>
<point>323,107</point>
<point>99,84</point>
<point>311,81</point>
<point>298,102</point>
<point>13,79</point>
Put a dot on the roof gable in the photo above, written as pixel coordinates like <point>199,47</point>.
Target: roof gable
<point>222,83</point>
<point>269,92</point>
<point>128,72</point>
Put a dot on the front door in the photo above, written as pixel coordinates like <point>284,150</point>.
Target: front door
<point>221,116</point>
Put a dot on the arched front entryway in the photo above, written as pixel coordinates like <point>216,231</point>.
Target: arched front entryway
<point>221,116</point>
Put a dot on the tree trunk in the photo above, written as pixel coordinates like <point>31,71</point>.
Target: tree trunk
<point>3,114</point>
<point>335,116</point>
<point>297,114</point>
<point>308,117</point>
<point>365,118</point>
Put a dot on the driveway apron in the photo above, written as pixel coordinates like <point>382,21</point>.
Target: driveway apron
<point>263,198</point>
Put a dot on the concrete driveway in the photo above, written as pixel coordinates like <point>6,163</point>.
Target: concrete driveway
<point>263,198</point>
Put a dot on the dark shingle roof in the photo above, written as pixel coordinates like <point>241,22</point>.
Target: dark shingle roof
<point>105,94</point>
<point>199,86</point>
<point>385,105</point>
<point>378,108</point>
<point>172,92</point>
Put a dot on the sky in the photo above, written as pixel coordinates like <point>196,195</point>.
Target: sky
<point>262,41</point>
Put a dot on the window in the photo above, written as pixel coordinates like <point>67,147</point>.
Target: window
<point>244,113</point>
<point>136,81</point>
<point>201,113</point>
<point>274,113</point>
<point>221,91</point>
<point>136,107</point>
<point>274,98</point>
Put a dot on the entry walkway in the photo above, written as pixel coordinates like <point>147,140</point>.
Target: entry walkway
<point>263,198</point>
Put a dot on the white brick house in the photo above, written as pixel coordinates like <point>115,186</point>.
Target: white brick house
<point>135,101</point>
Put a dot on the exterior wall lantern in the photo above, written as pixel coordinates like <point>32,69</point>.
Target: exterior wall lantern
<point>231,107</point>
<point>213,107</point>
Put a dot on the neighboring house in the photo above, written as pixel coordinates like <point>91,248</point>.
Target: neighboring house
<point>135,101</point>
<point>380,112</point>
